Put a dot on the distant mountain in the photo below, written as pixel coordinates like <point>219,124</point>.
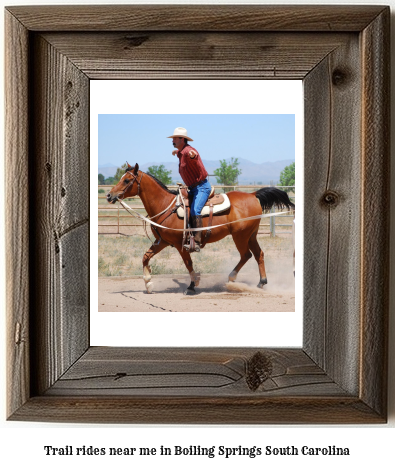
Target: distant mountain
<point>107,170</point>
<point>252,173</point>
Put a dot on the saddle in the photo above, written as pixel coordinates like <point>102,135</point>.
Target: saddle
<point>218,202</point>
<point>185,194</point>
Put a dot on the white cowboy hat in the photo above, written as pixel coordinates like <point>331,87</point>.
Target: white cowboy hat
<point>180,132</point>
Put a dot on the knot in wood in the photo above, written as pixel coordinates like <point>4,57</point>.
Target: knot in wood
<point>135,41</point>
<point>259,369</point>
<point>330,199</point>
<point>339,77</point>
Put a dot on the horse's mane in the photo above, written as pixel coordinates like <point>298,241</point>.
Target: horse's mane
<point>171,191</point>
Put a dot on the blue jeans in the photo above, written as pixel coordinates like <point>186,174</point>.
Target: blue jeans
<point>199,194</point>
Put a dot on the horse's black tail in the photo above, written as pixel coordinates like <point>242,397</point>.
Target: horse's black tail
<point>270,196</point>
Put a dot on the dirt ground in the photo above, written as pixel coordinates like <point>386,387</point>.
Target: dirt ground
<point>214,294</point>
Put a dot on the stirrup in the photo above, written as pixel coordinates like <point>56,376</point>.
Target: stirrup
<point>193,246</point>
<point>195,250</point>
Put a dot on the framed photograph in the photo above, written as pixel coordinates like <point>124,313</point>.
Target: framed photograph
<point>260,129</point>
<point>339,374</point>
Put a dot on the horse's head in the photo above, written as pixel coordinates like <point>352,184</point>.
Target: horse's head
<point>128,186</point>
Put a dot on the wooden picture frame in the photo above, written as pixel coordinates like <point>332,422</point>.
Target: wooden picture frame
<point>340,374</point>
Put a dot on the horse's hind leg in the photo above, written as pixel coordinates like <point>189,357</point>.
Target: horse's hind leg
<point>245,255</point>
<point>259,256</point>
<point>154,249</point>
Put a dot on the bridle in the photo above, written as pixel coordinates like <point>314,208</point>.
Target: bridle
<point>134,179</point>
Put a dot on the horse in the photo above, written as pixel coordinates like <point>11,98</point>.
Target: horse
<point>157,200</point>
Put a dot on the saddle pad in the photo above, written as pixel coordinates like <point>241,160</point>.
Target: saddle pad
<point>206,209</point>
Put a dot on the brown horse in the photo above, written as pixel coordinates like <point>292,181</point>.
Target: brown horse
<point>156,197</point>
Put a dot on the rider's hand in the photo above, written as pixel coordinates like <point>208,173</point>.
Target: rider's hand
<point>192,154</point>
<point>174,152</point>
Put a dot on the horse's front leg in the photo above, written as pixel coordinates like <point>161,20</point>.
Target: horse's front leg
<point>195,277</point>
<point>153,250</point>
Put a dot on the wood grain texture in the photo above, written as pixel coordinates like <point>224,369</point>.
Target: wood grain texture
<point>60,246</point>
<point>201,410</point>
<point>193,372</point>
<point>339,375</point>
<point>17,216</point>
<point>375,211</point>
<point>197,55</point>
<point>196,17</point>
<point>317,112</point>
<point>332,129</point>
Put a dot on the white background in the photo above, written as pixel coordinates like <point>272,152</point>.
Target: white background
<point>208,97</point>
<point>21,444</point>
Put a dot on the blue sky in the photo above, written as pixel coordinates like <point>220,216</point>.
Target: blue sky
<point>142,137</point>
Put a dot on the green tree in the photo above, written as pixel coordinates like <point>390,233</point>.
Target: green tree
<point>161,173</point>
<point>110,180</point>
<point>287,177</point>
<point>120,172</point>
<point>101,178</point>
<point>228,173</point>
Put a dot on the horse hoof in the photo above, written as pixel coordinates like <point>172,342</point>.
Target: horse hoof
<point>150,287</point>
<point>262,283</point>
<point>232,276</point>
<point>190,292</point>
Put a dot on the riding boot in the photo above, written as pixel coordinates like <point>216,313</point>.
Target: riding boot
<point>198,235</point>
<point>196,223</point>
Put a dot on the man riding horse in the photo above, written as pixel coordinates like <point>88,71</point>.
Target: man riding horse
<point>194,175</point>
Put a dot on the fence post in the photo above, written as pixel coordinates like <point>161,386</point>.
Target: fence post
<point>272,219</point>
<point>118,217</point>
<point>272,224</point>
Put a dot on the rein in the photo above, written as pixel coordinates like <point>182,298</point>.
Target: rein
<point>145,219</point>
<point>167,208</point>
<point>153,217</point>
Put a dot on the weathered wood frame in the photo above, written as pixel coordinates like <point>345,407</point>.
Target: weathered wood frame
<point>340,374</point>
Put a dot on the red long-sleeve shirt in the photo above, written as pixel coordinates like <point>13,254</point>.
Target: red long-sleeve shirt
<point>192,170</point>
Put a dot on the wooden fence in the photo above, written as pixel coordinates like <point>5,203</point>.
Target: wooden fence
<point>116,215</point>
